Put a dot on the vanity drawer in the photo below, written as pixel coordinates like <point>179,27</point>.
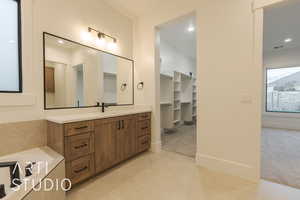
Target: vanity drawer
<point>143,143</point>
<point>144,116</point>
<point>143,127</point>
<point>79,145</point>
<point>80,169</point>
<point>78,128</point>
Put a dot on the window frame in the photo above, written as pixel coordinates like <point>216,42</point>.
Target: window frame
<point>266,90</point>
<point>19,50</point>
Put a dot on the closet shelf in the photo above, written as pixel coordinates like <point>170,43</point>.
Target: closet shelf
<point>185,102</point>
<point>165,103</point>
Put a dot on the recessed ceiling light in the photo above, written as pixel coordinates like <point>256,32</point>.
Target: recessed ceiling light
<point>191,29</point>
<point>287,40</point>
<point>60,41</point>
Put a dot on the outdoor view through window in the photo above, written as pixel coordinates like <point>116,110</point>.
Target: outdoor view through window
<point>283,90</point>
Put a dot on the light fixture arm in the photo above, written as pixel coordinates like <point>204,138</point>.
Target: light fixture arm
<point>101,34</point>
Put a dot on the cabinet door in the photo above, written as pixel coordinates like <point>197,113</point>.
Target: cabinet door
<point>126,138</point>
<point>105,143</point>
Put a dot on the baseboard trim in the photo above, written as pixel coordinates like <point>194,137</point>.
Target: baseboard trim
<point>228,167</point>
<point>281,123</point>
<point>156,147</point>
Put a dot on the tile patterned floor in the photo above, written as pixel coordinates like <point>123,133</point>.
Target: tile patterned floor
<point>182,141</point>
<point>170,176</point>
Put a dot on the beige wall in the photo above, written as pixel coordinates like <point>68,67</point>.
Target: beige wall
<point>21,136</point>
<point>67,18</point>
<point>229,82</point>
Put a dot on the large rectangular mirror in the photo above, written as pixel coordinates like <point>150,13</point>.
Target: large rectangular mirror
<point>77,76</point>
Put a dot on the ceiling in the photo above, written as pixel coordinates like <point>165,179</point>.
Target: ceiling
<point>176,34</point>
<point>282,21</point>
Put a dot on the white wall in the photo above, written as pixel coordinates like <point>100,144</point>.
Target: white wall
<point>228,126</point>
<point>68,19</point>
<point>173,60</point>
<point>282,58</point>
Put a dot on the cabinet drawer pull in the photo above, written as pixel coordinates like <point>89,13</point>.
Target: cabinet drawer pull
<point>80,170</point>
<point>82,127</point>
<point>80,146</point>
<point>143,128</point>
<point>145,142</point>
<point>122,124</point>
<point>119,125</point>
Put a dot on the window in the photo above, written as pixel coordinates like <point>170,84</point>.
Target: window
<point>10,47</point>
<point>283,90</point>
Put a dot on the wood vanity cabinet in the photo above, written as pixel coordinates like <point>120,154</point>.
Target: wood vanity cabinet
<point>93,146</point>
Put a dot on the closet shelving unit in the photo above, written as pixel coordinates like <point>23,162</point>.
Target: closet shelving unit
<point>177,99</point>
<point>186,97</point>
<point>166,101</point>
<point>194,113</point>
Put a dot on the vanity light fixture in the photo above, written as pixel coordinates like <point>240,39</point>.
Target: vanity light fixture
<point>101,40</point>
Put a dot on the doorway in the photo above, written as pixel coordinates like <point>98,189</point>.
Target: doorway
<point>178,76</point>
<point>280,147</point>
<point>79,85</point>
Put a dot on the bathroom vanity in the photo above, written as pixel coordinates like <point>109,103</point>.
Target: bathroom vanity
<point>92,143</point>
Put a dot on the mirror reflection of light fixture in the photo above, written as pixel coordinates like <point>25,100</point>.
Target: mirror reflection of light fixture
<point>60,41</point>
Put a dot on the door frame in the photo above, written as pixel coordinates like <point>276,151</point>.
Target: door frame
<point>258,32</point>
<point>158,146</point>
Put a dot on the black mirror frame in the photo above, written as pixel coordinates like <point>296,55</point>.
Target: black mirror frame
<point>44,65</point>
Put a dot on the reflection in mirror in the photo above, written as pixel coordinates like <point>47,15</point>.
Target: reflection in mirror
<point>80,76</point>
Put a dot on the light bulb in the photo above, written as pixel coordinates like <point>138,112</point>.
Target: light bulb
<point>87,36</point>
<point>112,46</point>
<point>60,41</point>
<point>191,29</point>
<point>287,40</point>
<point>100,41</point>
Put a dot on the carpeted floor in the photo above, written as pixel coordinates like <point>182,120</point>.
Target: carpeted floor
<point>182,141</point>
<point>280,161</point>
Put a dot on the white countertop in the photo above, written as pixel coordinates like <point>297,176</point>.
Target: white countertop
<point>46,160</point>
<point>63,119</point>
